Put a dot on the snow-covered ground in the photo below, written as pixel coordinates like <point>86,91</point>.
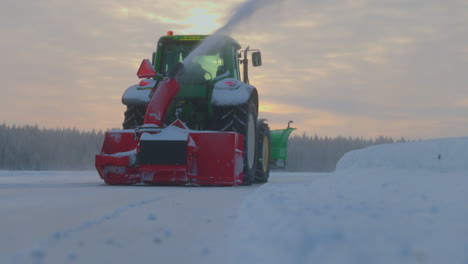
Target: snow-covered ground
<point>398,203</point>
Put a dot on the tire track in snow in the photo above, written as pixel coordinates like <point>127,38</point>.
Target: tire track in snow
<point>38,253</point>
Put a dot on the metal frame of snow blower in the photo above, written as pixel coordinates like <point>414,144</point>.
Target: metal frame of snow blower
<point>193,158</point>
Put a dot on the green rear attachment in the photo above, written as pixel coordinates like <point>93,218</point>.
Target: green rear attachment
<point>279,146</point>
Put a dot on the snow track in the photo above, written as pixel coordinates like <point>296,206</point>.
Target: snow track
<point>72,217</point>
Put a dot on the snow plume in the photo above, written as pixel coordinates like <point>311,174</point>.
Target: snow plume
<point>243,12</point>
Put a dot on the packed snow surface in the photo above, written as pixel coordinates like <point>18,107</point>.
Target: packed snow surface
<point>398,203</point>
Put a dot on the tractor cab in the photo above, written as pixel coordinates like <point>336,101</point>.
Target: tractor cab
<point>218,60</point>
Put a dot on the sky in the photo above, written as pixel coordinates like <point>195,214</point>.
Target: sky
<point>361,68</point>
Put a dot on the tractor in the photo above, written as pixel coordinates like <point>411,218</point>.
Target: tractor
<point>192,119</point>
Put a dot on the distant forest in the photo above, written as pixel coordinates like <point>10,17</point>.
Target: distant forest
<point>33,148</point>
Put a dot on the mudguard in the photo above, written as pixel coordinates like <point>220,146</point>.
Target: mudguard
<point>138,94</point>
<point>231,92</point>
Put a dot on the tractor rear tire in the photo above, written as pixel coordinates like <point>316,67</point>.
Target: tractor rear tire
<point>134,116</point>
<point>241,119</point>
<point>264,153</point>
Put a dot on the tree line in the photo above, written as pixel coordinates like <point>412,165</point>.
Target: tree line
<point>32,148</point>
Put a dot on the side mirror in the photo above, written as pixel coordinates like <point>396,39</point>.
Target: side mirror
<point>256,58</point>
<point>146,70</point>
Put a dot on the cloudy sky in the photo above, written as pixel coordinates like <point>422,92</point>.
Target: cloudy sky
<point>359,68</point>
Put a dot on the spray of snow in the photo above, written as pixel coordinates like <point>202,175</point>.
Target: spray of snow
<point>242,13</point>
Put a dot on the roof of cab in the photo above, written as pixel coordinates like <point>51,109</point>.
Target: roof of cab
<point>226,38</point>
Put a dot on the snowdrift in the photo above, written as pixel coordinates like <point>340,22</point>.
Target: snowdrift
<point>438,155</point>
<point>394,203</point>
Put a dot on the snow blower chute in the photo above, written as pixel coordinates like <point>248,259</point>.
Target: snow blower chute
<point>192,120</point>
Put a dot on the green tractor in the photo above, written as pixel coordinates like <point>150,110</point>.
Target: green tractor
<point>213,94</point>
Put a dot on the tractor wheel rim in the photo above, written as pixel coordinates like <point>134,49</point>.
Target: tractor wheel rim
<point>251,141</point>
<point>265,154</point>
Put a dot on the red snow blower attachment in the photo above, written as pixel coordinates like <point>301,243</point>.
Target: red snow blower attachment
<point>171,155</point>
<point>155,154</point>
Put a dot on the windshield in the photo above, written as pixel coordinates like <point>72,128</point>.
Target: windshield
<point>211,65</point>
<point>174,52</point>
<point>201,67</point>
